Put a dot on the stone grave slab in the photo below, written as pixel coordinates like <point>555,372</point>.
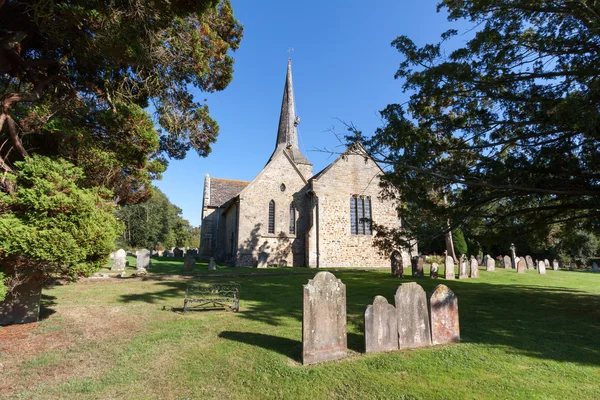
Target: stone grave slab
<point>381,326</point>
<point>413,317</point>
<point>443,307</point>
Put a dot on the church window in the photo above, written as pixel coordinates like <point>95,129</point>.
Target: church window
<point>282,187</point>
<point>360,215</point>
<point>292,219</point>
<point>272,216</point>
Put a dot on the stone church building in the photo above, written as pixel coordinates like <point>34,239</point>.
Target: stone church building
<point>288,216</point>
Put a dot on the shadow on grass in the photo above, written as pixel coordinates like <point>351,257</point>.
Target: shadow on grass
<point>288,347</point>
<point>46,303</point>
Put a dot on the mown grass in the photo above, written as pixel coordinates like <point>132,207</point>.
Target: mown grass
<point>523,337</point>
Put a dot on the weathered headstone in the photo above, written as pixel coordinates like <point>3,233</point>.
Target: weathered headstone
<point>572,266</point>
<point>479,259</point>
<point>542,268</point>
<point>212,265</point>
<point>521,265</point>
<point>443,307</point>
<point>324,319</point>
<point>463,268</point>
<point>119,260</point>
<point>142,261</point>
<point>555,265</point>
<point>417,267</point>
<point>22,304</point>
<point>507,262</point>
<point>595,267</point>
<point>547,263</point>
<point>449,268</point>
<point>433,272</point>
<point>529,262</point>
<point>396,264</point>
<point>263,258</point>
<point>413,318</point>
<point>490,264</point>
<point>189,263</point>
<point>177,252</point>
<point>485,259</point>
<point>381,326</point>
<point>474,272</point>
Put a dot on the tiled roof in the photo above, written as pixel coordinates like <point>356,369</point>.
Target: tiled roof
<point>223,190</point>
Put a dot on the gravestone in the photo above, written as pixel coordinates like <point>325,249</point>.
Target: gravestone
<point>22,304</point>
<point>417,267</point>
<point>323,319</point>
<point>529,262</point>
<point>547,263</point>
<point>507,263</point>
<point>474,268</point>
<point>542,268</point>
<point>413,317</point>
<point>555,265</point>
<point>263,257</point>
<point>396,264</point>
<point>595,267</point>
<point>177,252</point>
<point>521,265</point>
<point>463,269</point>
<point>443,308</point>
<point>142,261</point>
<point>192,252</point>
<point>485,259</point>
<point>112,255</point>
<point>119,260</point>
<point>212,265</point>
<point>433,272</point>
<point>449,268</point>
<point>490,264</point>
<point>479,259</point>
<point>572,266</point>
<point>189,263</point>
<point>381,326</point>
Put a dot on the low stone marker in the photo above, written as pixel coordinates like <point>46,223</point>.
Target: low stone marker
<point>542,268</point>
<point>443,308</point>
<point>212,265</point>
<point>521,266</point>
<point>413,318</point>
<point>324,319</point>
<point>433,272</point>
<point>474,268</point>
<point>463,269</point>
<point>507,263</point>
<point>449,268</point>
<point>189,263</point>
<point>529,262</point>
<point>490,264</point>
<point>595,267</point>
<point>263,258</point>
<point>555,265</point>
<point>381,326</point>
<point>119,260</point>
<point>396,264</point>
<point>142,261</point>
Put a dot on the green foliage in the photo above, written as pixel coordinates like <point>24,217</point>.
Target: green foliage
<point>579,245</point>
<point>460,244</point>
<point>50,226</point>
<point>3,287</point>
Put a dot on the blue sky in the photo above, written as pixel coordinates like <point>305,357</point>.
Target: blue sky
<point>343,69</point>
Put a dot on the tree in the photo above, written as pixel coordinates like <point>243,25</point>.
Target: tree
<point>506,127</point>
<point>460,244</point>
<point>76,76</point>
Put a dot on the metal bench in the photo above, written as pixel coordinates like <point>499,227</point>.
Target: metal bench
<point>210,296</point>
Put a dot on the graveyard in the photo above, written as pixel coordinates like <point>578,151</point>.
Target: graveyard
<point>522,335</point>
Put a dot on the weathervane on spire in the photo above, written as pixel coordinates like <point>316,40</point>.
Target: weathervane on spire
<point>290,51</point>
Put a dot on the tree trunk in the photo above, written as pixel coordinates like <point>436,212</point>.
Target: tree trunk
<point>450,243</point>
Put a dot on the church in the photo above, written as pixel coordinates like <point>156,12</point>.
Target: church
<point>288,216</point>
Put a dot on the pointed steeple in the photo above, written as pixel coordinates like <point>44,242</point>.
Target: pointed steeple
<point>287,134</point>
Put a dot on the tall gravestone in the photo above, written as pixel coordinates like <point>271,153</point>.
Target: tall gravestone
<point>119,260</point>
<point>507,263</point>
<point>433,271</point>
<point>413,317</point>
<point>396,264</point>
<point>142,261</point>
<point>381,326</point>
<point>449,268</point>
<point>443,308</point>
<point>542,268</point>
<point>490,264</point>
<point>521,265</point>
<point>463,268</point>
<point>529,262</point>
<point>555,265</point>
<point>474,268</point>
<point>324,319</point>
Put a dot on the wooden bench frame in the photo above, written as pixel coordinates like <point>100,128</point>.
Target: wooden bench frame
<point>212,296</point>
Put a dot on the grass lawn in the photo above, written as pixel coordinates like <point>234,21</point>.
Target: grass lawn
<point>523,337</point>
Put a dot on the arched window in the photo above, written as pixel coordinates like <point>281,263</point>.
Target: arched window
<point>272,216</point>
<point>292,219</point>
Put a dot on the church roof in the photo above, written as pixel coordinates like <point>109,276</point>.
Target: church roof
<point>223,190</point>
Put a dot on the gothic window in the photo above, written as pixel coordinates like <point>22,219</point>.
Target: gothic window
<point>360,215</point>
<point>272,216</point>
<point>292,219</point>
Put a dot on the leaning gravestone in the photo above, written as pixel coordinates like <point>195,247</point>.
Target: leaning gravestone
<point>263,258</point>
<point>449,268</point>
<point>542,268</point>
<point>189,263</point>
<point>119,260</point>
<point>521,265</point>
<point>433,272</point>
<point>474,268</point>
<point>396,264</point>
<point>555,265</point>
<point>463,269</point>
<point>142,261</point>
<point>413,317</point>
<point>324,319</point>
<point>529,262</point>
<point>443,307</point>
<point>490,264</point>
<point>507,262</point>
<point>212,265</point>
<point>381,326</point>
